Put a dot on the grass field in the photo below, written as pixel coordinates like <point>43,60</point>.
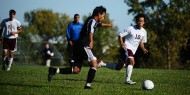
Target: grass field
<point>32,80</point>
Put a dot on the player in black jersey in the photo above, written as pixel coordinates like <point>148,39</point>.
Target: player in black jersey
<point>82,50</point>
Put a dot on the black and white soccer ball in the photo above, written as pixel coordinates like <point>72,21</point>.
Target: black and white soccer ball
<point>148,85</point>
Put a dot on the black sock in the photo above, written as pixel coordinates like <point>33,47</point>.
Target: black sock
<point>91,75</point>
<point>120,64</point>
<point>66,71</point>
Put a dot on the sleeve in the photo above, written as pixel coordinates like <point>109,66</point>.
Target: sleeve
<point>144,39</point>
<point>125,32</point>
<point>99,24</point>
<point>68,32</point>
<point>91,25</point>
<point>52,53</point>
<point>19,26</point>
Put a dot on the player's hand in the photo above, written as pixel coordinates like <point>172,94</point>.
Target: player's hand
<point>13,33</point>
<point>110,25</point>
<point>70,42</point>
<point>145,51</point>
<point>48,52</point>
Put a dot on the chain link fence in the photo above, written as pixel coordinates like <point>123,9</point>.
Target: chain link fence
<point>29,53</point>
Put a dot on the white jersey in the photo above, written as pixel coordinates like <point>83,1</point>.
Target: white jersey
<point>10,26</point>
<point>133,37</point>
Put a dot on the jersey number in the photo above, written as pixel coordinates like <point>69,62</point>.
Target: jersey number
<point>138,36</point>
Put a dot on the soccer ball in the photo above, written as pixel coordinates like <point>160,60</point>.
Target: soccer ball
<point>148,85</point>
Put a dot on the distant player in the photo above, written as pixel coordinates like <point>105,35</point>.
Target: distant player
<point>47,55</point>
<point>83,49</point>
<point>73,33</point>
<point>130,39</point>
<point>10,28</point>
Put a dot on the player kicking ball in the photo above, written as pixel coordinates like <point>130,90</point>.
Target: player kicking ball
<point>130,39</point>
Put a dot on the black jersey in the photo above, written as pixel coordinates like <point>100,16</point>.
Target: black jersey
<point>89,26</point>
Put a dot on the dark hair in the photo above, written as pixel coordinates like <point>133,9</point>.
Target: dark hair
<point>76,15</point>
<point>12,11</point>
<point>138,16</point>
<point>98,9</point>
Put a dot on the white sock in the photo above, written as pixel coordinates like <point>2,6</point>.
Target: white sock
<point>88,84</point>
<point>10,62</point>
<point>129,70</point>
<point>111,65</point>
<point>57,71</point>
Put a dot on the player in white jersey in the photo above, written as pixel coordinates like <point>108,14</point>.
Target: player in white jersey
<point>130,39</point>
<point>10,28</point>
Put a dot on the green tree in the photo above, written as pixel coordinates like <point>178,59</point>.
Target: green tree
<point>47,24</point>
<point>167,26</point>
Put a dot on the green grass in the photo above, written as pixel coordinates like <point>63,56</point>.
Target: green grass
<point>33,80</point>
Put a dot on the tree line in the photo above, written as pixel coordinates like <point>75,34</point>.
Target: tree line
<point>167,25</point>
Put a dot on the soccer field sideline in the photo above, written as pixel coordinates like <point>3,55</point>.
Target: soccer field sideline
<point>33,80</point>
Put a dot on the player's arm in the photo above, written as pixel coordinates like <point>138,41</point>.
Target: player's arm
<point>68,34</point>
<point>120,37</point>
<point>107,24</point>
<point>123,45</point>
<point>143,48</point>
<point>19,30</point>
<point>91,40</point>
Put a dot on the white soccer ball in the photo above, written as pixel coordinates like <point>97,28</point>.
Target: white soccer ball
<point>148,85</point>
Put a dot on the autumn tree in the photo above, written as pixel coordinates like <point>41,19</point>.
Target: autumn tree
<point>47,24</point>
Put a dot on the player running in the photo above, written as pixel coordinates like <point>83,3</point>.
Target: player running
<point>10,28</point>
<point>130,39</point>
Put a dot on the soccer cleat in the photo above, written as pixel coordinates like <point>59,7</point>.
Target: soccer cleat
<point>51,73</point>
<point>101,64</point>
<point>130,82</point>
<point>9,68</point>
<point>87,87</point>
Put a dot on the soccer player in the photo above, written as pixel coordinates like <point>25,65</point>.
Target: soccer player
<point>83,48</point>
<point>47,55</point>
<point>10,28</point>
<point>130,39</point>
<point>73,33</point>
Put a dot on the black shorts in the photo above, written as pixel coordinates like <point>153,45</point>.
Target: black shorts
<point>82,53</point>
<point>9,44</point>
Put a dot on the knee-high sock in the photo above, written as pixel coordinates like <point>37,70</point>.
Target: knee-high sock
<point>65,70</point>
<point>91,75</point>
<point>129,70</point>
<point>10,62</point>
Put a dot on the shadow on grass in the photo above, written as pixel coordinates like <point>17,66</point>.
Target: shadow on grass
<point>31,85</point>
<point>83,80</point>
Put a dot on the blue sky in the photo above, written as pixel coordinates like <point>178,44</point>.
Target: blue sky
<point>117,9</point>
